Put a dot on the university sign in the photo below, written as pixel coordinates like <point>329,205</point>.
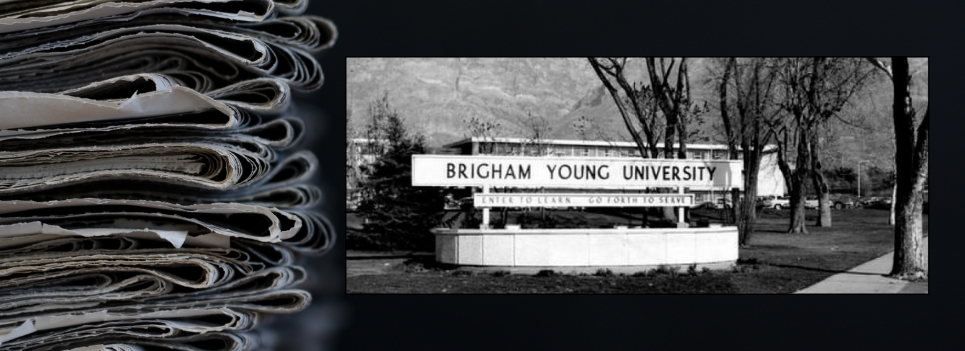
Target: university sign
<point>582,200</point>
<point>573,172</point>
<point>580,247</point>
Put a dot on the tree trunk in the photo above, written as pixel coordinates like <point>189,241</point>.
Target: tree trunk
<point>824,199</point>
<point>820,184</point>
<point>782,164</point>
<point>797,207</point>
<point>894,195</point>
<point>824,208</point>
<point>669,131</point>
<point>911,168</point>
<point>735,214</point>
<point>799,186</point>
<point>748,214</point>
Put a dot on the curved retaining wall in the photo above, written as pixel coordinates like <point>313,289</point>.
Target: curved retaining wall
<point>585,247</point>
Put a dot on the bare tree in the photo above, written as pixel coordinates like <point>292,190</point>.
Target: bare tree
<point>586,130</point>
<point>672,93</point>
<point>668,93</point>
<point>746,90</point>
<point>487,131</point>
<point>537,129</point>
<point>638,100</point>
<point>636,105</point>
<point>815,90</point>
<point>671,90</point>
<point>376,131</point>
<point>911,161</point>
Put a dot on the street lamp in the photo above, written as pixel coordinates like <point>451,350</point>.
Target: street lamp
<point>859,176</point>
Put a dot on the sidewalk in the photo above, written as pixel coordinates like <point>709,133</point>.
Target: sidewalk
<point>869,278</point>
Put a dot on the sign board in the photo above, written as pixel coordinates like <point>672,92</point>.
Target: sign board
<point>582,200</point>
<point>573,172</point>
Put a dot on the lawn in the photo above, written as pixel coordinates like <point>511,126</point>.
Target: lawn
<point>776,262</point>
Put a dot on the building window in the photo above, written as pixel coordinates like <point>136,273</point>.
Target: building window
<point>698,155</point>
<point>586,152</point>
<point>718,154</point>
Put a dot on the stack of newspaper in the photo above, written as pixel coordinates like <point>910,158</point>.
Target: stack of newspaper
<point>151,192</point>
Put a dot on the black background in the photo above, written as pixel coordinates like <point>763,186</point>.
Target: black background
<point>640,28</point>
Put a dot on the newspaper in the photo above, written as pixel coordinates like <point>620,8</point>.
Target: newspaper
<point>152,190</point>
<point>209,52</point>
<point>283,186</point>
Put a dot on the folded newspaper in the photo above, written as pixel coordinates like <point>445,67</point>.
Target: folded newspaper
<point>152,193</point>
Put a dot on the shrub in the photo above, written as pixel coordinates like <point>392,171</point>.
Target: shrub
<point>642,274</point>
<point>603,273</point>
<point>546,273</point>
<point>462,273</point>
<point>669,270</point>
<point>500,273</point>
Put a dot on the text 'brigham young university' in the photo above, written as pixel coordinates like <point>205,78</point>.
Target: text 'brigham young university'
<point>588,172</point>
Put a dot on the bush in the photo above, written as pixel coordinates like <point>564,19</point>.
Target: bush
<point>546,273</point>
<point>500,273</point>
<point>603,273</point>
<point>462,273</point>
<point>669,270</point>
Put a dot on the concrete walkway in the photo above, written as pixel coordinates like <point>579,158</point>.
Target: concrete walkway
<point>869,278</point>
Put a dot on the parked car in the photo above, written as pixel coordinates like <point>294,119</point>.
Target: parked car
<point>778,203</point>
<point>763,200</point>
<point>711,205</point>
<point>841,202</point>
<point>705,205</point>
<point>867,201</point>
<point>811,202</point>
<point>723,203</point>
<point>881,203</point>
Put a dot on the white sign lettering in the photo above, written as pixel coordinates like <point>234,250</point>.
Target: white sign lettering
<point>582,200</point>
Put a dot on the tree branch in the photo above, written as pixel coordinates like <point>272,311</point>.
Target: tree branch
<point>881,65</point>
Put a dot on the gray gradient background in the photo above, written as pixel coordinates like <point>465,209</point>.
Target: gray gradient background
<point>541,28</point>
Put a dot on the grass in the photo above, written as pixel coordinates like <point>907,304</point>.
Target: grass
<point>775,262</point>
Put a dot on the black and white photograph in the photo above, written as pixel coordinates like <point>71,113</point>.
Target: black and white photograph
<point>637,175</point>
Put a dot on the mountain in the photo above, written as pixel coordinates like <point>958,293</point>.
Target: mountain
<point>437,95</point>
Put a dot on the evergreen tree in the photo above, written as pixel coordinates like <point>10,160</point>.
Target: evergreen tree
<point>399,216</point>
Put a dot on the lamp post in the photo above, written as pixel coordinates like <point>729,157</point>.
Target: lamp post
<point>859,176</point>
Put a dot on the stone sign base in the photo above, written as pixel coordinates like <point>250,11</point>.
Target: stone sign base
<point>620,249</point>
